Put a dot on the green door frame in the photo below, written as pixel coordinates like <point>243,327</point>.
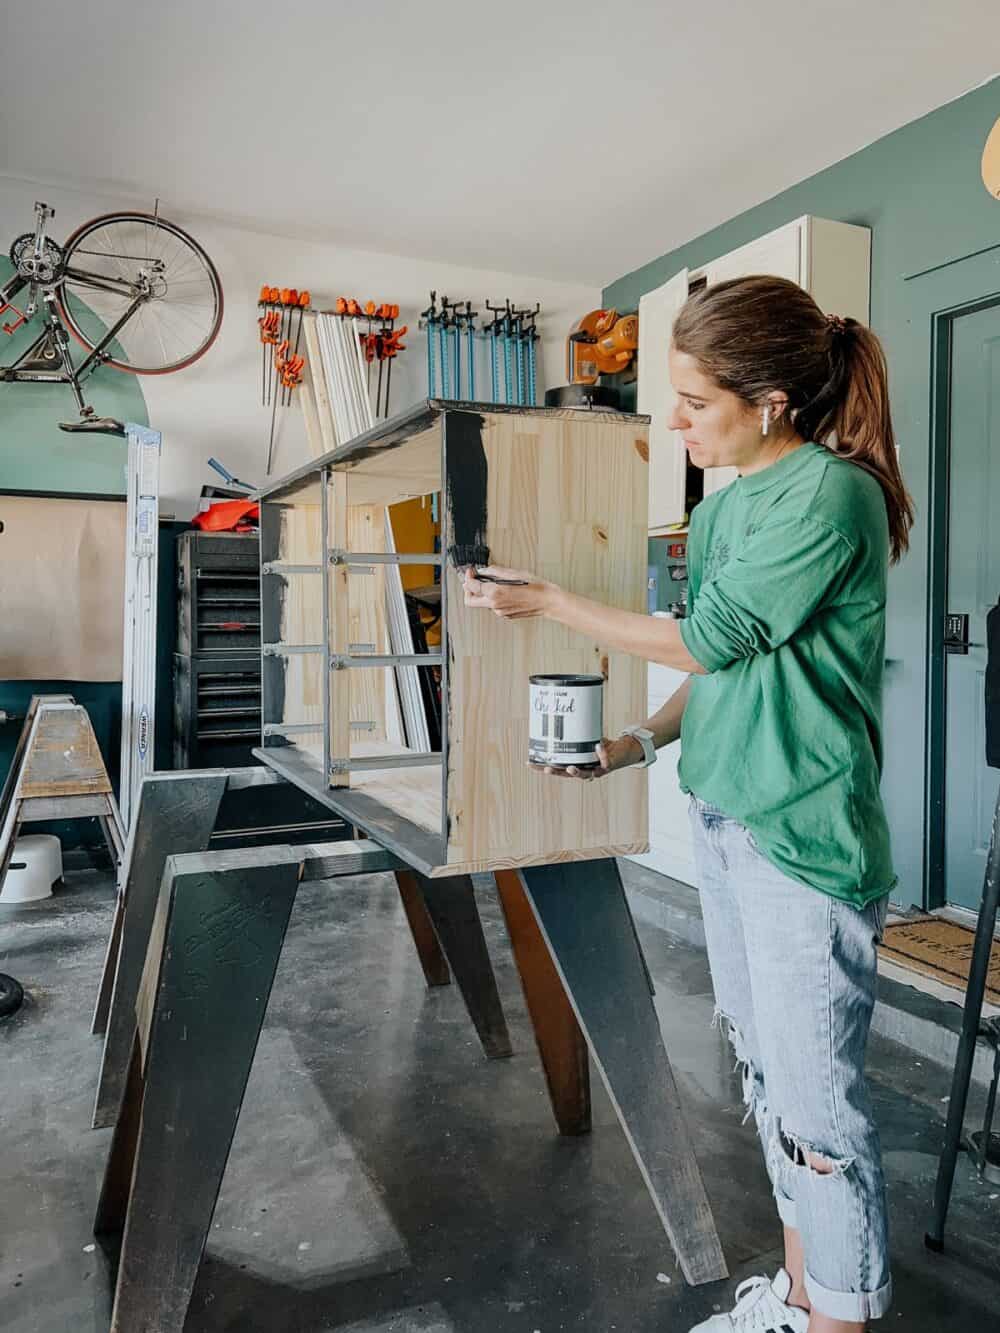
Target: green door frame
<point>936,299</point>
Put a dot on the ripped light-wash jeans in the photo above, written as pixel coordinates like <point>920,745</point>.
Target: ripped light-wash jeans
<point>794,973</point>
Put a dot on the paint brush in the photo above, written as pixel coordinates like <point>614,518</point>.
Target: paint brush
<point>492,578</point>
<point>456,554</point>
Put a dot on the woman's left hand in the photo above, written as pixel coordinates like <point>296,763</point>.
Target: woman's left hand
<point>518,596</point>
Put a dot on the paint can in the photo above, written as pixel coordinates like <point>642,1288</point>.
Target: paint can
<point>567,720</point>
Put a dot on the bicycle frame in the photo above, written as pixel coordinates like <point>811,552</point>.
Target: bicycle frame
<point>53,342</point>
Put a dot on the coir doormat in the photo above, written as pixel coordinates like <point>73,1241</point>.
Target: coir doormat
<point>939,949</point>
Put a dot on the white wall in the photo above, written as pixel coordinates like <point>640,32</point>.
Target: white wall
<point>213,407</point>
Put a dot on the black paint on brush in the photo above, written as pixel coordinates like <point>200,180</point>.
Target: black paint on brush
<point>466,476</point>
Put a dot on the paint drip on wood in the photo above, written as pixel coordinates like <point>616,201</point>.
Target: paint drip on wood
<point>467,476</point>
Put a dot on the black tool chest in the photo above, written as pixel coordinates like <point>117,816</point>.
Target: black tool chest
<point>216,709</point>
<point>217,661</point>
<point>218,593</point>
<point>217,691</point>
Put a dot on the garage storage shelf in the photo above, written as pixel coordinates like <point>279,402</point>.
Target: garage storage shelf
<point>561,493</point>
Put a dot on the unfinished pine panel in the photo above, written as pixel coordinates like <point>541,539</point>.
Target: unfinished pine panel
<point>399,474</point>
<point>295,597</point>
<point>565,501</point>
<point>368,631</point>
<point>412,792</point>
<point>300,538</point>
<point>293,684</point>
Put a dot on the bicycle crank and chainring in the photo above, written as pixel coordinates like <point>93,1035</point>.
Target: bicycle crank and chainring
<point>45,270</point>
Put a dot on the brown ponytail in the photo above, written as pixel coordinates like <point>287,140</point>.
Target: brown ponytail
<point>757,334</point>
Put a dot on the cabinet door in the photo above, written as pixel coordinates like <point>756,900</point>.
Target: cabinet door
<point>778,253</point>
<point>667,457</point>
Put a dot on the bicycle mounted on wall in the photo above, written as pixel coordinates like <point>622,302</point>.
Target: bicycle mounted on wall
<point>137,292</point>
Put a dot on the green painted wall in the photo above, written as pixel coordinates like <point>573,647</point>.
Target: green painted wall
<point>921,193</point>
<point>35,455</point>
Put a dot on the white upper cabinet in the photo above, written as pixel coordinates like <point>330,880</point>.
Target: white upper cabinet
<point>778,253</point>
<point>832,260</point>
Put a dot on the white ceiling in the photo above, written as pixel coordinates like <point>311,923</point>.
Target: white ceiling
<point>571,141</point>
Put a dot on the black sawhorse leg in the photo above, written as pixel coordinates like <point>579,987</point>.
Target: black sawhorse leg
<point>451,905</point>
<point>175,813</point>
<point>219,925</point>
<point>971,1017</point>
<point>583,913</point>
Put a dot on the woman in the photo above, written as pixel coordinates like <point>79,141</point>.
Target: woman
<point>780,729</point>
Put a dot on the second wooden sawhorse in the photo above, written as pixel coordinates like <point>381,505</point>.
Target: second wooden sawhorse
<point>213,943</point>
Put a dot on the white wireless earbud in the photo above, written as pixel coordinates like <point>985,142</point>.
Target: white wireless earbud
<point>765,420</point>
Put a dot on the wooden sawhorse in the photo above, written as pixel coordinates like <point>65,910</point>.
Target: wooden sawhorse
<point>217,927</point>
<point>57,772</point>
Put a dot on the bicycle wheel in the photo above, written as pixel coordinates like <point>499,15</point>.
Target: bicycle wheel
<point>119,258</point>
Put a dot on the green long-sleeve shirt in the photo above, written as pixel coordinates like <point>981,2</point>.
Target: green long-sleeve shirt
<point>786,611</point>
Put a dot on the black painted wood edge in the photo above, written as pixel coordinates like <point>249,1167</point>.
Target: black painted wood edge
<point>415,845</point>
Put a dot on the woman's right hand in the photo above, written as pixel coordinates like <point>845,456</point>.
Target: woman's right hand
<point>619,753</point>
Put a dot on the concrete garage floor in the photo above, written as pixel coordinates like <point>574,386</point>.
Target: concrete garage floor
<point>385,1176</point>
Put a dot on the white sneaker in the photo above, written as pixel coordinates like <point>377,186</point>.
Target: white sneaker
<point>761,1306</point>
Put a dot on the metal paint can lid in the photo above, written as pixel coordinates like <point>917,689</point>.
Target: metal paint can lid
<point>566,680</point>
